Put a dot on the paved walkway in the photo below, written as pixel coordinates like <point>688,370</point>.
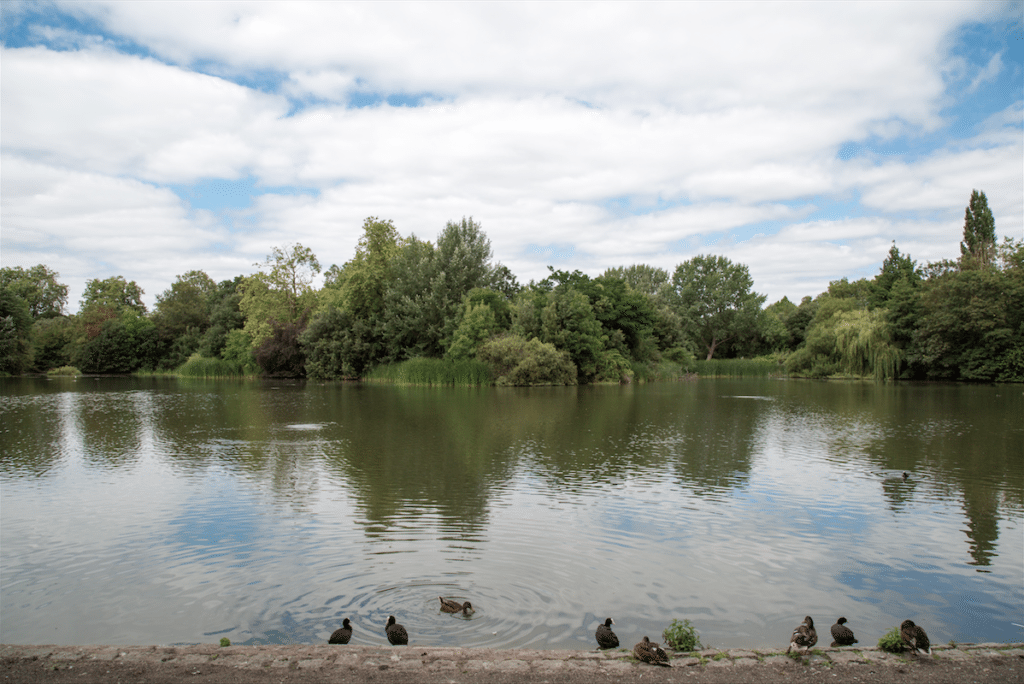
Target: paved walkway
<point>323,663</point>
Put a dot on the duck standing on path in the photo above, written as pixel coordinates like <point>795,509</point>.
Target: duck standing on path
<point>842,635</point>
<point>650,653</point>
<point>914,637</point>
<point>605,636</point>
<point>343,634</point>
<point>804,636</point>
<point>451,606</point>
<point>396,632</point>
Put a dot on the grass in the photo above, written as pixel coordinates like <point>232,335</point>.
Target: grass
<point>205,367</point>
<point>736,368</point>
<point>68,371</point>
<point>423,371</point>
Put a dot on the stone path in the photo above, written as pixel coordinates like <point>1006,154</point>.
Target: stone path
<point>324,663</point>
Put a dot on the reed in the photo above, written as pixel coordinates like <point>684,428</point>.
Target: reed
<point>736,368</point>
<point>64,370</point>
<point>422,371</point>
<point>207,367</point>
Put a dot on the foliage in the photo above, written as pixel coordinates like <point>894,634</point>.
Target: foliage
<point>865,346</point>
<point>280,355</point>
<point>682,636</point>
<point>569,324</point>
<point>478,325</point>
<point>225,316</point>
<point>185,305</point>
<point>123,345</point>
<point>280,292</point>
<point>64,371</point>
<point>339,345</point>
<point>15,333</point>
<point>891,641</point>
<point>238,350</point>
<point>515,361</point>
<point>897,268</point>
<point>714,299</point>
<point>421,371</point>
<point>114,293</point>
<point>365,279</point>
<point>978,249</point>
<point>224,642</point>
<point>53,339</point>
<point>649,280</point>
<point>38,287</point>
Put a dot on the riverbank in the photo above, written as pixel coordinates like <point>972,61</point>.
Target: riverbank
<point>208,663</point>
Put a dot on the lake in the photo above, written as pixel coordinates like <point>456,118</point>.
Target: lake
<point>166,511</point>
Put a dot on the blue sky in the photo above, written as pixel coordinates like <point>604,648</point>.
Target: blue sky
<point>148,139</point>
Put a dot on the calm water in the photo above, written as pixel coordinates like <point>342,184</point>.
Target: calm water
<point>166,511</point>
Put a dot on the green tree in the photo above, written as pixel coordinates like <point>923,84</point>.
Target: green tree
<point>364,281</point>
<point>182,316</point>
<point>225,316</point>
<point>568,322</point>
<point>714,299</point>
<point>978,249</point>
<point>478,325</point>
<point>124,344</point>
<point>282,291</point>
<point>15,333</point>
<point>649,280</point>
<point>516,361</point>
<point>38,287</point>
<point>896,267</point>
<point>114,293</point>
<point>53,341</point>
<point>339,345</point>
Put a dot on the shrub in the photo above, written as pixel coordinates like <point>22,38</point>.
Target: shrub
<point>514,361</point>
<point>682,636</point>
<point>891,641</point>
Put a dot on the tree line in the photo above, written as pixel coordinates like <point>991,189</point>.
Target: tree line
<point>404,298</point>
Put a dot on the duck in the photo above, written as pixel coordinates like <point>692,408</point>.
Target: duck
<point>452,606</point>
<point>650,653</point>
<point>342,634</point>
<point>842,635</point>
<point>915,637</point>
<point>906,475</point>
<point>396,632</point>
<point>804,636</point>
<point>605,636</point>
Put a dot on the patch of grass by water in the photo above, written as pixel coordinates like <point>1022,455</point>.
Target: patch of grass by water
<point>762,367</point>
<point>66,371</point>
<point>207,367</point>
<point>424,371</point>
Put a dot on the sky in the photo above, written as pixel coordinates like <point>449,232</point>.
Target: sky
<point>799,139</point>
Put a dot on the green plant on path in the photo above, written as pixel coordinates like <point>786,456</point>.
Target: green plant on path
<point>682,636</point>
<point>891,642</point>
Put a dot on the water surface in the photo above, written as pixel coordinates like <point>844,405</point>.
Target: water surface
<point>169,511</point>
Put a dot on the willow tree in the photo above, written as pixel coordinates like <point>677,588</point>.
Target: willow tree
<point>865,345</point>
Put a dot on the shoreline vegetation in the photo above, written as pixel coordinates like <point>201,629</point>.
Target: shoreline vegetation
<point>413,312</point>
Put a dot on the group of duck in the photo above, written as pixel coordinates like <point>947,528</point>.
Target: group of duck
<point>396,633</point>
<point>804,636</point>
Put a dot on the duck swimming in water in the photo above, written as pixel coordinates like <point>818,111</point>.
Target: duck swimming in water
<point>650,653</point>
<point>396,632</point>
<point>804,636</point>
<point>915,637</point>
<point>451,606</point>
<point>842,635</point>
<point>605,636</point>
<point>342,634</point>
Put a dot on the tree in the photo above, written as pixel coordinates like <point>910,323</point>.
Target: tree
<point>15,333</point>
<point>282,291</point>
<point>649,280</point>
<point>713,297</point>
<point>978,249</point>
<point>182,315</point>
<point>895,268</point>
<point>38,287</point>
<point>339,345</point>
<point>124,344</point>
<point>225,316</point>
<point>114,293</point>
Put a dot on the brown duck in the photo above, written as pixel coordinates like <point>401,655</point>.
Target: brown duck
<point>804,636</point>
<point>650,653</point>
<point>842,635</point>
<point>396,632</point>
<point>342,634</point>
<point>605,636</point>
<point>915,638</point>
<point>451,606</point>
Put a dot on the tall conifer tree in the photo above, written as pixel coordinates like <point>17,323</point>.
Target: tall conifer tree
<point>978,249</point>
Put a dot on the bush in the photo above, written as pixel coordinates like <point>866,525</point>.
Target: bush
<point>891,641</point>
<point>514,361</point>
<point>338,345</point>
<point>682,636</point>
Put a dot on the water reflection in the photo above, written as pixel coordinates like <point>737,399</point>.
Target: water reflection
<point>268,512</point>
